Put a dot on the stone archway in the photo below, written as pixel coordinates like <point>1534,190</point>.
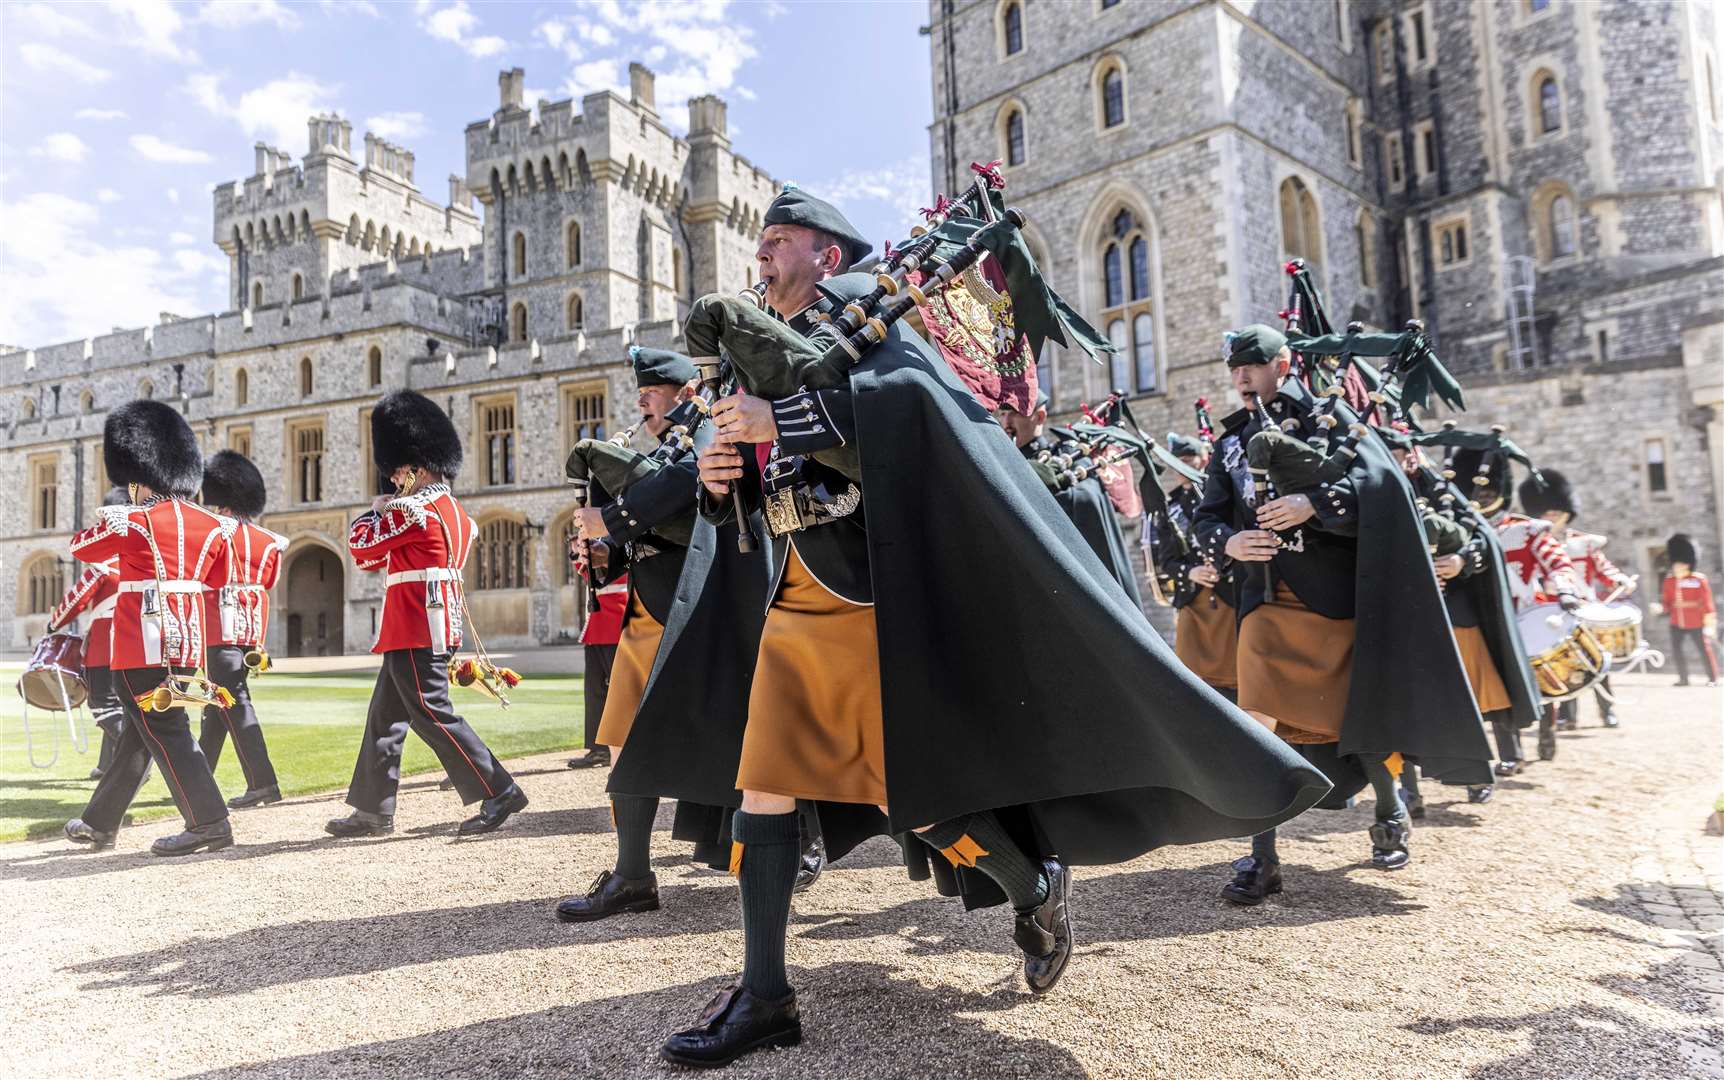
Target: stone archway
<point>314,603</point>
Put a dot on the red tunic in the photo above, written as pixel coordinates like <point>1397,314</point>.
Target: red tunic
<point>1539,569</point>
<point>169,552</point>
<point>95,591</point>
<point>605,626</point>
<point>238,612</point>
<point>1688,601</point>
<point>1599,574</point>
<point>422,540</point>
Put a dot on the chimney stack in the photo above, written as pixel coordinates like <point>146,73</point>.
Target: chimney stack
<point>641,88</point>
<point>512,89</point>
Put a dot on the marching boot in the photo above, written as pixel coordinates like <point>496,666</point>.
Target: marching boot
<point>80,832</point>
<point>1254,879</point>
<point>1509,752</point>
<point>213,837</point>
<point>611,895</point>
<point>256,797</point>
<point>1610,718</point>
<point>1414,802</point>
<point>599,757</point>
<point>813,862</point>
<point>1045,933</point>
<point>1389,844</point>
<point>361,823</point>
<point>732,1024</point>
<point>1568,716</point>
<point>494,811</point>
<point>1480,793</point>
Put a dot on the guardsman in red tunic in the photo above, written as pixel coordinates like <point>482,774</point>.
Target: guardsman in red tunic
<point>236,615</point>
<point>1554,501</point>
<point>1688,604</point>
<point>420,538</point>
<point>95,591</point>
<point>169,551</point>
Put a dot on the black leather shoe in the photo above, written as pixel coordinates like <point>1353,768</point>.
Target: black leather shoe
<point>1045,934</point>
<point>79,832</point>
<point>262,796</point>
<point>1683,681</point>
<point>1253,880</point>
<point>212,837</point>
<point>813,863</point>
<point>494,811</point>
<point>599,757</point>
<point>1480,793</point>
<point>1508,768</point>
<point>1389,845</point>
<point>1414,802</point>
<point>355,825</point>
<point>611,895</point>
<point>732,1024</point>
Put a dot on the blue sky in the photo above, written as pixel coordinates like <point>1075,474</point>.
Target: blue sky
<point>117,119</point>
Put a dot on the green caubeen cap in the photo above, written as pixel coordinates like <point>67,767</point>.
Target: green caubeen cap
<point>797,207</point>
<point>660,367</point>
<point>1255,344</point>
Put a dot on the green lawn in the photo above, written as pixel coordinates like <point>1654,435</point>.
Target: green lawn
<point>311,722</point>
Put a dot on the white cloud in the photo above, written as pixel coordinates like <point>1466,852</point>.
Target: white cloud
<point>157,23</point>
<point>54,61</point>
<point>52,20</point>
<point>457,25</point>
<point>901,189</point>
<point>181,239</point>
<point>599,34</point>
<point>107,195</point>
<point>229,14</point>
<point>275,111</point>
<point>63,282</point>
<point>350,7</point>
<point>594,75</point>
<point>173,195</point>
<point>100,114</point>
<point>61,146</point>
<point>156,149</point>
<point>397,125</point>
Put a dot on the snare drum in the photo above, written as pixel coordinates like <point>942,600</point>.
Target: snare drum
<point>1615,625</point>
<point>54,678</point>
<point>1566,657</point>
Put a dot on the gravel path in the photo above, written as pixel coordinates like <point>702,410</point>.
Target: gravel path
<point>1570,927</point>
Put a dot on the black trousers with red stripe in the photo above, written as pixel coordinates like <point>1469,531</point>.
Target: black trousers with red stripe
<point>226,668</point>
<point>167,738</point>
<point>412,692</point>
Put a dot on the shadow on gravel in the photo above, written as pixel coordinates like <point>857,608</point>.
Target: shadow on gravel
<point>857,1020</point>
<point>267,956</point>
<point>1580,1040</point>
<point>72,861</point>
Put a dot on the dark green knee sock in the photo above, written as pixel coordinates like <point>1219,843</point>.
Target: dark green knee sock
<point>1383,786</point>
<point>1263,846</point>
<point>770,853</point>
<point>634,816</point>
<point>979,840</point>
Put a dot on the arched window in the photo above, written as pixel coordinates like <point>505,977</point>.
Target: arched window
<point>1110,93</point>
<point>146,389</point>
<point>241,387</point>
<point>1301,234</point>
<point>501,561</point>
<point>298,287</point>
<point>573,244</point>
<point>577,316</point>
<point>305,376</point>
<point>87,401</point>
<point>676,274</point>
<point>1556,223</point>
<point>1012,28</point>
<point>1549,105</point>
<point>1364,232</point>
<point>518,323</point>
<point>29,408</point>
<point>44,584</point>
<point>1562,243</point>
<point>257,294</point>
<point>519,260</point>
<point>1015,137</point>
<point>374,366</point>
<point>1127,311</point>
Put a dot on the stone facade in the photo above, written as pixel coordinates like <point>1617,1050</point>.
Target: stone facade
<point>394,290</point>
<point>1579,145</point>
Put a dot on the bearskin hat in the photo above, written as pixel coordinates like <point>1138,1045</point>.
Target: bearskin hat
<point>1681,549</point>
<point>232,481</point>
<point>1554,493</point>
<point>410,429</point>
<point>149,442</point>
<point>1466,465</point>
<point>116,496</point>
